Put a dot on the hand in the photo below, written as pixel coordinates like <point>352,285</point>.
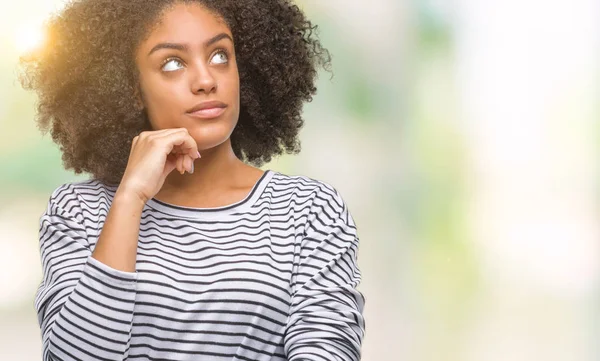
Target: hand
<point>154,154</point>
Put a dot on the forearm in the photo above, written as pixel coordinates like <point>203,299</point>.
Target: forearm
<point>84,304</point>
<point>91,321</point>
<point>117,244</point>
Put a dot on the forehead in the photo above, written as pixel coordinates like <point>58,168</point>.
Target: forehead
<point>191,23</point>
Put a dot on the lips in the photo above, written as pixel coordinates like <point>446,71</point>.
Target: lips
<point>208,109</point>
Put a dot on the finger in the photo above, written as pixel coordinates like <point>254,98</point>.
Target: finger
<point>162,135</point>
<point>163,132</point>
<point>185,164</point>
<point>182,140</point>
<point>191,165</point>
<point>134,142</point>
<point>180,164</point>
<point>166,132</point>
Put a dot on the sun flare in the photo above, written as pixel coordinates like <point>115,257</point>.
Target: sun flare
<point>28,36</point>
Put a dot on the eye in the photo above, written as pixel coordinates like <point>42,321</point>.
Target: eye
<point>170,61</point>
<point>220,57</point>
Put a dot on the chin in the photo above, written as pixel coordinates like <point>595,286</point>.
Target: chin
<point>210,136</point>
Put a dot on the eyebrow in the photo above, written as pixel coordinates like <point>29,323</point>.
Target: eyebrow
<point>184,47</point>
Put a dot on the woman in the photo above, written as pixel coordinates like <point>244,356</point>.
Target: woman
<point>219,260</point>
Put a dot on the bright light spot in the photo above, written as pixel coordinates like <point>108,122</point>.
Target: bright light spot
<point>28,37</point>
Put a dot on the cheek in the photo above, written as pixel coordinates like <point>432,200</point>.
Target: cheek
<point>232,87</point>
<point>233,96</point>
<point>232,79</point>
<point>162,99</point>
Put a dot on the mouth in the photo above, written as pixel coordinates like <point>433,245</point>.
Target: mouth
<point>207,110</point>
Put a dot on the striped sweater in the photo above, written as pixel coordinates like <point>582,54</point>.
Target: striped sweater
<point>271,277</point>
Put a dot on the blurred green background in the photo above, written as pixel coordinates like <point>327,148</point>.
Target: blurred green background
<point>463,136</point>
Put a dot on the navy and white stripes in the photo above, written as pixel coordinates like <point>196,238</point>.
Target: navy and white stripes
<point>271,277</point>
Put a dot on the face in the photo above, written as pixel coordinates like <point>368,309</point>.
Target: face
<point>188,63</point>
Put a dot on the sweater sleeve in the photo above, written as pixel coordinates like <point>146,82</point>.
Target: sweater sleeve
<point>84,307</point>
<point>326,318</point>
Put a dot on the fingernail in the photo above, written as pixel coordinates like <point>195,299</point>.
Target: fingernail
<point>192,167</point>
<point>199,155</point>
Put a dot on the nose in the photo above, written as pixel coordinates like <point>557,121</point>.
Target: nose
<point>203,80</point>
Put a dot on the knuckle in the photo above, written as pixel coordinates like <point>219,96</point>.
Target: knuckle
<point>134,142</point>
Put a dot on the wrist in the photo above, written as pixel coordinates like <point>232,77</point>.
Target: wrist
<point>128,199</point>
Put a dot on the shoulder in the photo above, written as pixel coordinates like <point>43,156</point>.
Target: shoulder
<point>73,198</point>
<point>304,184</point>
<point>320,198</point>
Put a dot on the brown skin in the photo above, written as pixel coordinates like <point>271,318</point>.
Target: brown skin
<point>91,100</point>
<point>174,80</point>
<point>86,79</point>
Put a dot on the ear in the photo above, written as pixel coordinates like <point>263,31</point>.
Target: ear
<point>138,99</point>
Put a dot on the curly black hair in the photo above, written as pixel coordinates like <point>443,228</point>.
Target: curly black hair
<point>86,78</point>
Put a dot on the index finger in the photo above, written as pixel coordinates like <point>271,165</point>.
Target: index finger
<point>183,140</point>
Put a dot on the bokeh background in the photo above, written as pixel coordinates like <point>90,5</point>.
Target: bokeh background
<point>463,135</point>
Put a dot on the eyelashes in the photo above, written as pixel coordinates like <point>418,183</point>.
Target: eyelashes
<point>224,52</point>
<point>175,59</point>
<point>168,60</point>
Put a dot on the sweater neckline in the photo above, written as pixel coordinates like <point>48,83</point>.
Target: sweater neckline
<point>197,212</point>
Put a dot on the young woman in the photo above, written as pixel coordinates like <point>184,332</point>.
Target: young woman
<point>219,260</point>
